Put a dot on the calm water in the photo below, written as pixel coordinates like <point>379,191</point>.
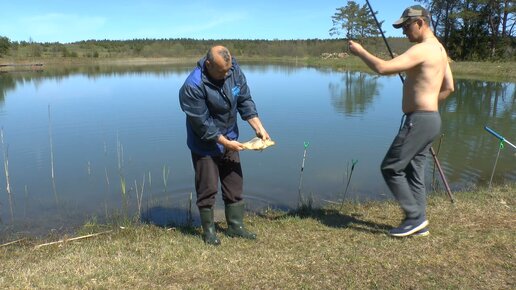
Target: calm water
<point>110,125</point>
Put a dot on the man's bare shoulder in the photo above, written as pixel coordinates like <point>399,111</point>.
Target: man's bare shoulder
<point>428,51</point>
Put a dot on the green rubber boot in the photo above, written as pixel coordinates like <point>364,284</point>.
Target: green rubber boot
<point>234,218</point>
<point>208,227</point>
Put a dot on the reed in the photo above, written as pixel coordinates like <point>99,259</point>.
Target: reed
<point>53,178</point>
<point>150,197</point>
<point>166,172</point>
<point>123,187</point>
<point>124,194</point>
<point>5,150</point>
<point>139,195</point>
<point>88,168</point>
<point>119,153</point>
<point>107,177</point>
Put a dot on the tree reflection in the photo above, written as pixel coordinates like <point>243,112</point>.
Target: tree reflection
<point>355,93</point>
<point>468,150</point>
<point>7,83</point>
<point>10,79</point>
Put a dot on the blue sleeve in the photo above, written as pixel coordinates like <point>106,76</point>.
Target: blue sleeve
<point>193,103</point>
<point>245,105</point>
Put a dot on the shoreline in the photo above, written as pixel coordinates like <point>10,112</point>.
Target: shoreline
<point>487,71</point>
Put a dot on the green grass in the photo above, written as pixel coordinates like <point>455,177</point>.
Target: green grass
<point>471,246</point>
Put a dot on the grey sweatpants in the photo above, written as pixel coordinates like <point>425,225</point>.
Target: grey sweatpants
<point>403,167</point>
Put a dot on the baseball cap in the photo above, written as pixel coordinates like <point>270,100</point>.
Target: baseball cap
<point>412,11</point>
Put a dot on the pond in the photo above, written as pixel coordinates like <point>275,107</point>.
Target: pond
<point>92,142</point>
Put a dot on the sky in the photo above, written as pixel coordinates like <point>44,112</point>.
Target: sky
<point>67,21</point>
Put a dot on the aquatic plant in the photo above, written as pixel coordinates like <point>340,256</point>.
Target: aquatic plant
<point>53,178</point>
<point>139,195</point>
<point>124,193</point>
<point>166,172</point>
<point>6,170</point>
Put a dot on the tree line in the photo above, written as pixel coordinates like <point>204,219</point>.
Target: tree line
<point>469,29</point>
<point>184,47</point>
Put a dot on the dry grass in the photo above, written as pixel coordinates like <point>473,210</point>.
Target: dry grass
<point>486,71</point>
<point>471,246</point>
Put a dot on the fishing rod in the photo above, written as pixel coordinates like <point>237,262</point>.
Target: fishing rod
<point>353,163</point>
<point>300,202</point>
<point>502,139</point>
<point>448,190</point>
<point>383,36</point>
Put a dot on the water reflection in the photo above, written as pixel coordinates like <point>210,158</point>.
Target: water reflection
<point>354,93</point>
<point>7,83</point>
<point>469,150</point>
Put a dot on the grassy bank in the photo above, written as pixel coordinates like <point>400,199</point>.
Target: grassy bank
<point>488,71</point>
<point>471,246</point>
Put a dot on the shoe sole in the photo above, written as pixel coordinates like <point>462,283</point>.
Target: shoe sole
<point>414,230</point>
<point>423,234</point>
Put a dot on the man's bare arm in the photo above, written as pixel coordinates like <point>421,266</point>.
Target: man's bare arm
<point>447,86</point>
<point>404,62</point>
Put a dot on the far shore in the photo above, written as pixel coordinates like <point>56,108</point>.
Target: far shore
<point>488,71</point>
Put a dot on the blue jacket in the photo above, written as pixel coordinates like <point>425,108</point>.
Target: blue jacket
<point>211,110</point>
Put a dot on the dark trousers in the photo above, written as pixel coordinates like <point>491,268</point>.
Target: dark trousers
<point>403,167</point>
<point>208,171</point>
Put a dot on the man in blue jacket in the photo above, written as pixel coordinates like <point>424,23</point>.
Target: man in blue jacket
<point>211,96</point>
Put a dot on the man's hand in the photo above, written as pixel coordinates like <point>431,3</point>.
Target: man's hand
<point>231,145</point>
<point>355,47</point>
<point>260,131</point>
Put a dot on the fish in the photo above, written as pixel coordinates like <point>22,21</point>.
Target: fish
<point>258,144</point>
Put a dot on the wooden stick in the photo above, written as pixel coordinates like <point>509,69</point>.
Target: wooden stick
<point>72,239</point>
<point>10,243</point>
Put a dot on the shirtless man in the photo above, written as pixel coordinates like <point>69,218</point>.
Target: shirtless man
<point>428,80</point>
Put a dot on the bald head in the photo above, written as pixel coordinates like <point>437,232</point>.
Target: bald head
<point>218,62</point>
<point>219,54</point>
